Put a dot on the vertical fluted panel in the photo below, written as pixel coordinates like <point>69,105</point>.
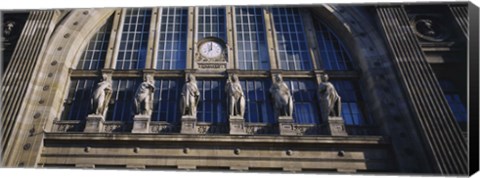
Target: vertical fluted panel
<point>18,75</point>
<point>435,120</point>
<point>460,13</point>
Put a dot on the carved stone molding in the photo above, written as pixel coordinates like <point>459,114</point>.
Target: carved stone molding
<point>429,28</point>
<point>66,126</point>
<point>163,127</point>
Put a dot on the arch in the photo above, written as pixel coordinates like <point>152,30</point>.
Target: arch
<point>51,76</point>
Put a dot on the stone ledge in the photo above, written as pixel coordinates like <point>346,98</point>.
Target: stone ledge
<point>324,139</point>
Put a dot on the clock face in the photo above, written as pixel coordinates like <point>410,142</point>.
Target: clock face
<point>210,49</point>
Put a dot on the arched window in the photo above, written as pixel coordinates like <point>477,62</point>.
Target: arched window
<point>211,107</point>
<point>211,23</point>
<point>351,102</point>
<point>252,50</point>
<point>304,99</point>
<point>333,54</point>
<point>335,57</point>
<point>167,95</point>
<point>290,36</point>
<point>122,97</point>
<point>156,41</point>
<point>257,102</point>
<point>172,43</point>
<point>132,52</point>
<point>77,104</point>
<point>94,55</point>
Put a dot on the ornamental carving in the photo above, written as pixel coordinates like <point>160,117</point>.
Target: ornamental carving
<point>429,28</point>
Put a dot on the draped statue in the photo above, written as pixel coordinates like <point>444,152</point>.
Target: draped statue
<point>235,97</point>
<point>101,95</point>
<point>283,102</point>
<point>144,96</point>
<point>330,102</point>
<point>190,97</point>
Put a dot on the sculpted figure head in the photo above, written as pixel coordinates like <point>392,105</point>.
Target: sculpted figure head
<point>234,77</point>
<point>278,78</point>
<point>148,78</point>
<point>191,78</point>
<point>324,78</point>
<point>106,78</point>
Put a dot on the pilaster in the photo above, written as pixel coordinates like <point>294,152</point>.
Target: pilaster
<point>436,123</point>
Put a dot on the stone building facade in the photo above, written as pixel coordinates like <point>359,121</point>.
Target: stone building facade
<point>397,69</point>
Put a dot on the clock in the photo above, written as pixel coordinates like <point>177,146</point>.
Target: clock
<point>210,49</point>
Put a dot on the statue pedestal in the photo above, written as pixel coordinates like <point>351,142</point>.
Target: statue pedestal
<point>285,125</point>
<point>189,125</point>
<point>336,126</point>
<point>94,123</point>
<point>141,124</point>
<point>237,125</point>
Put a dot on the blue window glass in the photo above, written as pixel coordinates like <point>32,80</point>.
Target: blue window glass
<point>132,52</point>
<point>351,111</point>
<point>291,42</point>
<point>454,101</point>
<point>333,53</point>
<point>211,22</point>
<point>166,102</point>
<point>122,96</point>
<point>304,99</point>
<point>258,108</point>
<point>172,42</point>
<point>78,102</point>
<point>252,50</point>
<point>93,57</point>
<point>211,106</point>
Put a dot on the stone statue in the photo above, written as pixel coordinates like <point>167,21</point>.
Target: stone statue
<point>101,96</point>
<point>190,97</point>
<point>329,98</point>
<point>144,96</point>
<point>235,99</point>
<point>281,96</point>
